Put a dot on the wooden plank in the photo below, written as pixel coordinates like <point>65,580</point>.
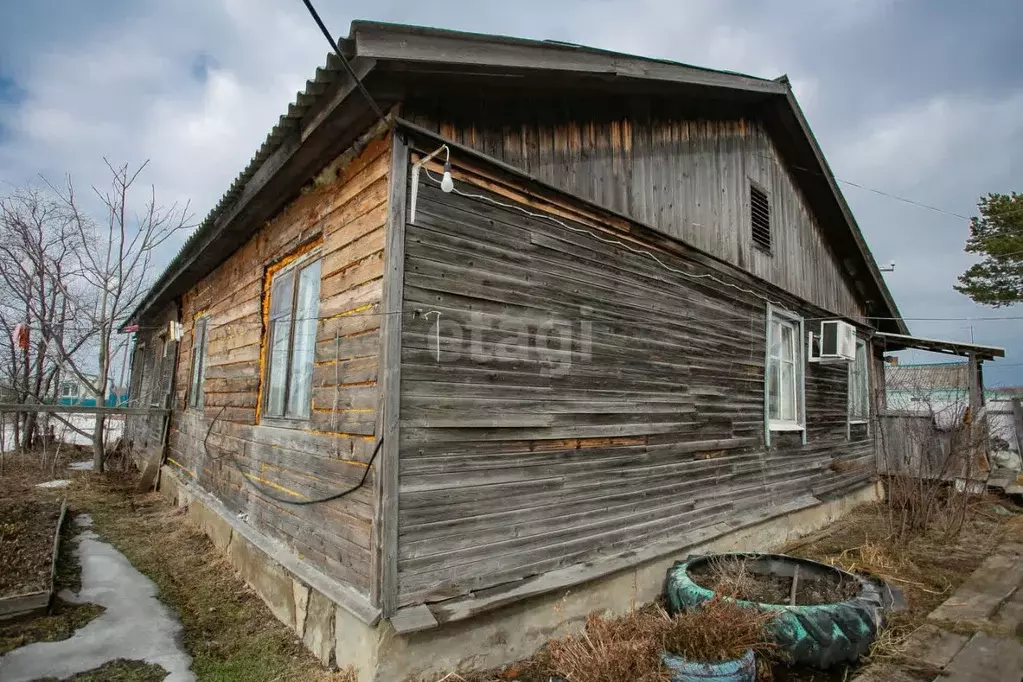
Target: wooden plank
<point>386,568</point>
<point>82,409</point>
<point>23,604</point>
<point>510,471</point>
<point>1017,422</point>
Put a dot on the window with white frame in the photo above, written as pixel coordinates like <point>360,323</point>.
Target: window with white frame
<point>291,334</point>
<point>784,372</point>
<point>200,336</point>
<point>69,389</point>
<point>859,385</point>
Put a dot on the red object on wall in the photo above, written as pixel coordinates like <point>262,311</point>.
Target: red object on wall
<point>20,336</point>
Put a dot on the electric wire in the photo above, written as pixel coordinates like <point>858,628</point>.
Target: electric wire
<point>230,457</point>
<point>348,67</point>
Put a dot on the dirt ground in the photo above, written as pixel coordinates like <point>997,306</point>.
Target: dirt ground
<point>27,529</point>
<point>927,569</point>
<point>735,578</point>
<point>229,631</point>
<point>233,636</point>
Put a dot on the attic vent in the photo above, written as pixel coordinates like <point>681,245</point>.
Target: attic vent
<point>760,217</point>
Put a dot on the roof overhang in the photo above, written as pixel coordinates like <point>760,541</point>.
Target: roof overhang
<point>329,115</point>
<point>895,342</point>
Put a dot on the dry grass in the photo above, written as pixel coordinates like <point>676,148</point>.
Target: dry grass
<point>718,631</point>
<point>622,649</point>
<point>628,648</point>
<point>229,631</point>
<point>731,577</point>
<point>928,566</point>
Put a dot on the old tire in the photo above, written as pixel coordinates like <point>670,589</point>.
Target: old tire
<point>742,669</point>
<point>820,635</point>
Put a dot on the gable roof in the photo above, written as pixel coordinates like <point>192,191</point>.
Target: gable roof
<point>329,114</point>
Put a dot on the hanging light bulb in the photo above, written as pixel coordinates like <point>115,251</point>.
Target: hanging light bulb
<point>446,183</point>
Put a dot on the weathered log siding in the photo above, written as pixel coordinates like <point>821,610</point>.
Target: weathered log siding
<point>680,173</point>
<point>151,379</point>
<point>345,212</point>
<point>526,451</point>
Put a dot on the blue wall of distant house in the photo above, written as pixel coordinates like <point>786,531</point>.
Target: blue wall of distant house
<point>113,400</point>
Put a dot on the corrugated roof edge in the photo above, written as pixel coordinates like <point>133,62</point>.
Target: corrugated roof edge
<point>325,77</point>
<point>412,29</point>
<point>314,89</point>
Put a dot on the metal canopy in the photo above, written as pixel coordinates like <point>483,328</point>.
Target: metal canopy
<point>901,341</point>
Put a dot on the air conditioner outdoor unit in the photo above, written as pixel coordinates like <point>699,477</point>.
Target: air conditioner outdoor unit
<point>837,343</point>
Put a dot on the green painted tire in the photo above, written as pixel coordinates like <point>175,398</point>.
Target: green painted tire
<point>820,635</point>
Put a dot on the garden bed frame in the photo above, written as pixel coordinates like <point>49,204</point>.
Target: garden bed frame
<point>19,605</point>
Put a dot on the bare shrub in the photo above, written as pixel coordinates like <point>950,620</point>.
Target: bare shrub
<point>930,440</point>
<point>622,649</point>
<point>719,630</point>
<point>628,648</point>
<point>731,577</point>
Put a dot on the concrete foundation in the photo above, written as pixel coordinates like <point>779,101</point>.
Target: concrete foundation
<point>337,636</point>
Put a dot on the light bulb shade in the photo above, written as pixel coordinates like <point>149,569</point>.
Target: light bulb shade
<point>446,183</point>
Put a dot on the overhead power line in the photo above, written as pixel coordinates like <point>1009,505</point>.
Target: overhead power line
<point>348,67</point>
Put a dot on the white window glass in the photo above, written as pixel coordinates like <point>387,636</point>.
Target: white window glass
<point>304,343</point>
<point>784,373</point>
<point>199,338</point>
<point>294,310</point>
<point>859,385</point>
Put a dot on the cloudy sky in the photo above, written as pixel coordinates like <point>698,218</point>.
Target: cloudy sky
<point>923,100</point>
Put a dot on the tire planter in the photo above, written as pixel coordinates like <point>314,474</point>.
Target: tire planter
<point>820,635</point>
<point>742,669</point>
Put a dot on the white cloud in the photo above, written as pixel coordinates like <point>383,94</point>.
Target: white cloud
<point>126,90</point>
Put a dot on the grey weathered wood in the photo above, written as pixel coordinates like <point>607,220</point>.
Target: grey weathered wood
<point>654,433</point>
<point>386,552</point>
<point>514,591</point>
<point>82,409</point>
<point>413,619</point>
<point>693,184</point>
<point>56,545</point>
<point>23,604</point>
<point>1017,420</point>
<point>337,591</point>
<point>412,43</point>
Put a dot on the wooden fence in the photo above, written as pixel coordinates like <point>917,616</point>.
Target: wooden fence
<point>913,443</point>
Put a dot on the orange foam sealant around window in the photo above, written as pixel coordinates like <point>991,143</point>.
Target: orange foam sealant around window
<point>268,275</point>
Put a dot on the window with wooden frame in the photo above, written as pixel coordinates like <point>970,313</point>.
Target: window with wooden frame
<point>197,377</point>
<point>859,385</point>
<point>291,339</point>
<point>784,373</point>
<point>760,217</point>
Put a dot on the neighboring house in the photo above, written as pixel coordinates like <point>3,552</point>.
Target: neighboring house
<point>482,413</point>
<point>73,391</point>
<point>942,392</point>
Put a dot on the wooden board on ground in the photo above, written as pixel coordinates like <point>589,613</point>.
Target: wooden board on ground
<point>153,458</point>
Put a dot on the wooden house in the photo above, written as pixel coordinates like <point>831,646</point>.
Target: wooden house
<point>434,419</point>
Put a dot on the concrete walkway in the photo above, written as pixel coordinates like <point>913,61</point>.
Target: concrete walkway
<point>989,603</point>
<point>135,625</point>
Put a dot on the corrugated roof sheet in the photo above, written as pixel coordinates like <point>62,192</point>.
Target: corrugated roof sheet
<point>945,375</point>
<point>325,76</point>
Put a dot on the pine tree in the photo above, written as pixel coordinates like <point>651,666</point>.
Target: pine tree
<point>997,235</point>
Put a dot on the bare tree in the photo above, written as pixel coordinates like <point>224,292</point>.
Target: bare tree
<point>116,268</point>
<point>39,243</point>
<point>930,446</point>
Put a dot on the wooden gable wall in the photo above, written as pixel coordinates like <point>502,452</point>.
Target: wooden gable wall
<point>567,401</point>
<point>224,444</point>
<point>680,167</point>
